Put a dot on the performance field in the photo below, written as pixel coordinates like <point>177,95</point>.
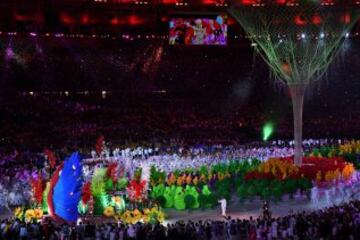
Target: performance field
<point>175,119</point>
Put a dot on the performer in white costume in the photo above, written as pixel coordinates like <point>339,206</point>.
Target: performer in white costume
<point>223,206</point>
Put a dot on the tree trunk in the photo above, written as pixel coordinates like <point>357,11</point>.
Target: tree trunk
<point>297,96</point>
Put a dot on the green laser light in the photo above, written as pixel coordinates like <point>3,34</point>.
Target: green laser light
<point>267,131</point>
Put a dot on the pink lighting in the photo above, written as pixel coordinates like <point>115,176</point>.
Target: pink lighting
<point>9,53</point>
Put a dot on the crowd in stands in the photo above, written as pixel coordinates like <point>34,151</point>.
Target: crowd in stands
<point>210,95</point>
<point>185,124</point>
<point>38,122</point>
<point>338,222</point>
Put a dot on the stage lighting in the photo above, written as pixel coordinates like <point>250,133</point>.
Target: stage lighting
<point>267,131</point>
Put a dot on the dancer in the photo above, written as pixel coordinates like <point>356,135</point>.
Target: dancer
<point>223,206</point>
<point>266,211</point>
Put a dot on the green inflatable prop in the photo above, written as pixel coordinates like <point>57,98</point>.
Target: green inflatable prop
<point>179,199</point>
<point>191,190</point>
<point>205,190</point>
<point>169,196</point>
<point>157,191</point>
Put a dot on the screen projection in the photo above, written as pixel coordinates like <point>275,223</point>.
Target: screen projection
<point>209,30</point>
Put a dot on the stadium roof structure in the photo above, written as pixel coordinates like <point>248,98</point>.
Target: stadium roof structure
<point>76,15</point>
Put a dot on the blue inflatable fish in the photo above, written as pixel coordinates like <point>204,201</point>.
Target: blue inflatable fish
<point>65,189</point>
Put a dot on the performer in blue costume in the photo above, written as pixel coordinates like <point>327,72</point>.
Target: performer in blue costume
<point>65,190</point>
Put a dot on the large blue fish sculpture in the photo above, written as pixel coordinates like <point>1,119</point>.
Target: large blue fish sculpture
<point>65,189</point>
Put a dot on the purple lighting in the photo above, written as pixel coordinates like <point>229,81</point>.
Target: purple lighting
<point>9,53</point>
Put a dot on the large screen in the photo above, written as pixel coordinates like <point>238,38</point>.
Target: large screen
<point>198,30</point>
